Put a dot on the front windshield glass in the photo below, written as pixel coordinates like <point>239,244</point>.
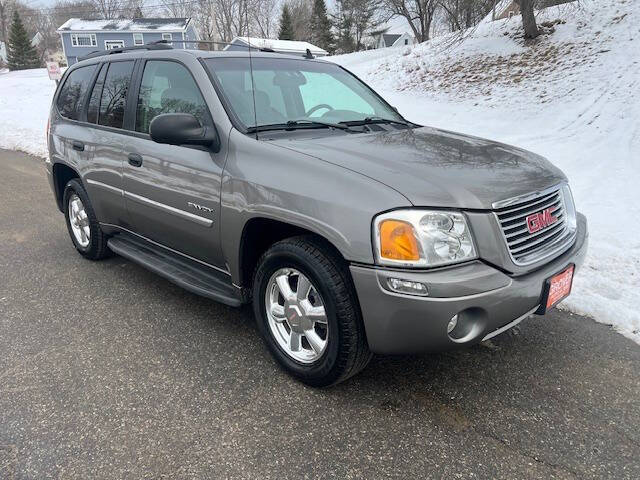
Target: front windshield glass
<point>290,90</point>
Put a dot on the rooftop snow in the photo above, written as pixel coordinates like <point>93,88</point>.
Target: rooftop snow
<point>121,24</point>
<point>280,45</point>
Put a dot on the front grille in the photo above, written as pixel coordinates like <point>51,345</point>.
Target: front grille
<point>527,248</point>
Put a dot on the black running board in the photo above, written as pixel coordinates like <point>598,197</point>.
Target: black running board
<point>188,274</point>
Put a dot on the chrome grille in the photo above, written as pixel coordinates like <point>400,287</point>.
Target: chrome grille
<point>527,248</point>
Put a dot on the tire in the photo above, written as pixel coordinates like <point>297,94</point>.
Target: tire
<point>96,242</point>
<point>346,350</point>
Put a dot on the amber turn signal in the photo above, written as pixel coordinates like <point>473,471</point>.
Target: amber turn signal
<point>397,241</point>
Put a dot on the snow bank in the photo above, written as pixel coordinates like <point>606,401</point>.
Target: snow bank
<point>25,98</point>
<point>574,97</point>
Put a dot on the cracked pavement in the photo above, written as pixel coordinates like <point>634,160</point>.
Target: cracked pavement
<point>108,371</point>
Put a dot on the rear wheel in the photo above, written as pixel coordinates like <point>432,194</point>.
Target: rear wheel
<point>82,223</point>
<point>308,313</point>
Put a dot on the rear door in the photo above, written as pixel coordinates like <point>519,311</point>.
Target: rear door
<point>70,139</point>
<point>172,193</point>
<point>105,117</point>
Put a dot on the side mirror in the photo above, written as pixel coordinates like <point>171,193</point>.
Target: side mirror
<point>182,129</point>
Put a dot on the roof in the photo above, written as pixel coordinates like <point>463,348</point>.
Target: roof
<point>285,46</point>
<point>390,38</point>
<point>125,25</point>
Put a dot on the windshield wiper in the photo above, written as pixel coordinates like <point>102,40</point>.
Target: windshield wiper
<point>370,120</point>
<point>302,123</point>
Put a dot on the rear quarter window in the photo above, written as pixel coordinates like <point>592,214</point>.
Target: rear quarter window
<point>74,91</point>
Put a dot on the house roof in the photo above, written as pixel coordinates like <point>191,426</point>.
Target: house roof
<point>390,38</point>
<point>125,25</point>
<point>284,46</point>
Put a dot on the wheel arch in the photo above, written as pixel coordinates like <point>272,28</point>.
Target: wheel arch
<point>62,173</point>
<point>259,233</point>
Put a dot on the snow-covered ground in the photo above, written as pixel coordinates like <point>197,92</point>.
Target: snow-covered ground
<point>573,96</point>
<point>25,98</point>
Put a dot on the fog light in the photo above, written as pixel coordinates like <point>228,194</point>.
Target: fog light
<point>407,287</point>
<point>452,324</point>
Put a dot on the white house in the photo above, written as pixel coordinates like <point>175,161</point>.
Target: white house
<point>394,40</point>
<point>281,46</point>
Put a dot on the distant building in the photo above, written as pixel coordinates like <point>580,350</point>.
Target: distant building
<point>3,52</point>
<point>281,46</point>
<point>82,37</point>
<point>384,40</point>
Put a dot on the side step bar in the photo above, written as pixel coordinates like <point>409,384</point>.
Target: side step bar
<point>186,273</point>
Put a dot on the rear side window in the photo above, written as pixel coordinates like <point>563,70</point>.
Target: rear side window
<point>168,87</point>
<point>74,91</point>
<point>114,94</point>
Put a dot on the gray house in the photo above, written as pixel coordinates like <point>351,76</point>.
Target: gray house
<point>82,37</point>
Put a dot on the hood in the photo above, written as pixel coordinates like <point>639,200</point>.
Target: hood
<point>436,168</point>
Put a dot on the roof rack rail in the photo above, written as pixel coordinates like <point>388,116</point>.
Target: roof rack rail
<point>159,45</point>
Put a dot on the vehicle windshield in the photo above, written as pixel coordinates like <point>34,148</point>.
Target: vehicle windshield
<point>297,92</point>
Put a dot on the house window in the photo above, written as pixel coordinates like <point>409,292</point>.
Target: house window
<point>111,44</point>
<point>167,36</point>
<point>84,40</point>
<point>137,39</point>
<point>406,41</point>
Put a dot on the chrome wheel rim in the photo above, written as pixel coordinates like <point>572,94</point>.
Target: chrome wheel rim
<point>296,315</point>
<point>79,221</point>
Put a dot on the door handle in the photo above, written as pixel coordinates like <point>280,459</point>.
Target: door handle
<point>79,146</point>
<point>135,160</point>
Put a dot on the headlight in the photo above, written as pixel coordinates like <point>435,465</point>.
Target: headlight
<point>426,238</point>
<point>570,208</point>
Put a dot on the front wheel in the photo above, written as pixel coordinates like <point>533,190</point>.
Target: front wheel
<point>308,313</point>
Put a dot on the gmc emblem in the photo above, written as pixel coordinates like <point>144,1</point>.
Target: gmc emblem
<point>540,220</point>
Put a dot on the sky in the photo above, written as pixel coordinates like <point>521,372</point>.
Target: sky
<point>396,25</point>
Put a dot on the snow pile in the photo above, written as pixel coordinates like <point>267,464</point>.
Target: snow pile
<point>25,98</point>
<point>572,96</point>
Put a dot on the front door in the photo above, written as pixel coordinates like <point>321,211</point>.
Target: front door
<point>172,193</point>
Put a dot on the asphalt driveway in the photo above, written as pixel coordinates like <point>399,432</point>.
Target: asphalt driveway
<point>108,371</point>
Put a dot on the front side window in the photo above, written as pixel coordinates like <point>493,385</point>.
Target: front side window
<point>114,94</point>
<point>168,87</point>
<point>295,90</point>
<point>138,39</point>
<point>84,40</point>
<point>72,94</point>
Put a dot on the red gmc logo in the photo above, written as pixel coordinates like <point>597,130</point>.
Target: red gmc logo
<point>540,220</point>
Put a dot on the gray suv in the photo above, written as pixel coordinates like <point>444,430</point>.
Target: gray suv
<point>289,183</point>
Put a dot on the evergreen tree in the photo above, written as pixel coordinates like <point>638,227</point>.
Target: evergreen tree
<point>321,27</point>
<point>286,24</point>
<point>21,54</point>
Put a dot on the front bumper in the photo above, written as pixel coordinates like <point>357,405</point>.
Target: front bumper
<point>487,300</point>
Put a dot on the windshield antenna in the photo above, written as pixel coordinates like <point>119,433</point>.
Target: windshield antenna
<point>253,87</point>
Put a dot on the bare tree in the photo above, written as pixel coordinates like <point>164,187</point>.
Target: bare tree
<point>301,14</point>
<point>263,17</point>
<point>462,14</point>
<point>108,9</point>
<point>528,18</point>
<point>418,13</point>
<point>179,8</point>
